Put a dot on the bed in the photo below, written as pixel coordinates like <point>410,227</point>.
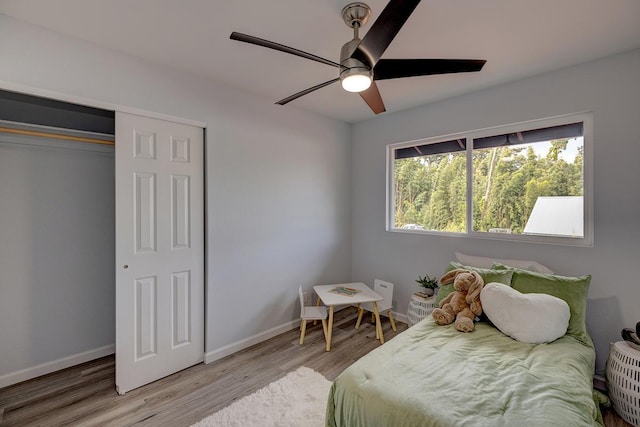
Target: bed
<point>434,375</point>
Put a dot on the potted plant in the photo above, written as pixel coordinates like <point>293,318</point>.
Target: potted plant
<point>430,284</point>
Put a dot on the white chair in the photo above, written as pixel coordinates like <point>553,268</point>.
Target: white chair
<point>311,313</point>
<point>385,290</point>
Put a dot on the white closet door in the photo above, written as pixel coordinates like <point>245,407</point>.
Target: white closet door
<point>159,249</point>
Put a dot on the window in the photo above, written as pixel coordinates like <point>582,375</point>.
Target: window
<point>528,181</point>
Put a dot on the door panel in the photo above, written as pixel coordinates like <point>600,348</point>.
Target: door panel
<point>145,212</point>
<point>159,249</point>
<point>181,323</point>
<point>146,318</point>
<point>180,190</point>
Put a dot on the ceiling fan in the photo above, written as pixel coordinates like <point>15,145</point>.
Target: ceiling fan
<point>360,63</point>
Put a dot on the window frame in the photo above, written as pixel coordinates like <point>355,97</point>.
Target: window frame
<point>587,120</point>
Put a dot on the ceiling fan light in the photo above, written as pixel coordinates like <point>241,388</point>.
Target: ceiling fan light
<point>356,82</point>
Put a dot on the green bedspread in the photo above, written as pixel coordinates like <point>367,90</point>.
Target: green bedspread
<point>436,376</point>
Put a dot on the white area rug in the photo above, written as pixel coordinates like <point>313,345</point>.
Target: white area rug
<point>299,399</point>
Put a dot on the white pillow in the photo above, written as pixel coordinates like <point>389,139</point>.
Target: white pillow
<point>531,318</point>
<point>486,262</point>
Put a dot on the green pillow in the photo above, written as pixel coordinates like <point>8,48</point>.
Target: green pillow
<point>488,275</point>
<point>573,290</point>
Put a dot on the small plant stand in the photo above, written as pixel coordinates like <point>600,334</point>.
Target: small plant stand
<point>420,306</point>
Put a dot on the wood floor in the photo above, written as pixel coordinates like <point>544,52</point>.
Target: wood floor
<point>85,395</point>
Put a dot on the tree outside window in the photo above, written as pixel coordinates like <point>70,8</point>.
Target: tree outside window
<point>528,182</point>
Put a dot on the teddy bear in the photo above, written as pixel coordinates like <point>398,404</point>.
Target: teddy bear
<point>462,305</point>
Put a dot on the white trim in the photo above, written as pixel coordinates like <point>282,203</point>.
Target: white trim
<point>58,96</point>
<point>488,131</point>
<point>227,350</point>
<point>588,233</point>
<point>248,342</point>
<point>55,365</point>
<point>391,194</point>
<point>401,317</point>
<point>469,187</point>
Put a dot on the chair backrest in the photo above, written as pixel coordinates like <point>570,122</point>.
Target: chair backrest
<point>301,301</point>
<point>385,290</point>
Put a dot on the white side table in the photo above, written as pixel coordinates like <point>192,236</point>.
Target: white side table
<point>623,381</point>
<point>419,308</point>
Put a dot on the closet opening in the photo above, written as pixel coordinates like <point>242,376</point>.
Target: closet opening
<point>57,235</point>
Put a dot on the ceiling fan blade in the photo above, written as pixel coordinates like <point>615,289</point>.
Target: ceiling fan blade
<point>398,68</point>
<point>373,99</point>
<point>383,31</point>
<point>304,92</point>
<point>282,48</point>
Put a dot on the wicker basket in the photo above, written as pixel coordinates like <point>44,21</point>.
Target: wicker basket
<point>623,381</point>
<point>419,308</point>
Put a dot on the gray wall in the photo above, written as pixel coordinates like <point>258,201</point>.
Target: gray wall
<point>278,193</point>
<point>280,208</point>
<point>56,251</point>
<point>610,88</point>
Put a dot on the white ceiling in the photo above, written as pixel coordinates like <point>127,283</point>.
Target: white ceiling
<point>517,38</point>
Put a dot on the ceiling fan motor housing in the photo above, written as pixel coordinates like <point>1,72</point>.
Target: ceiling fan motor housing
<point>346,61</point>
<point>352,66</point>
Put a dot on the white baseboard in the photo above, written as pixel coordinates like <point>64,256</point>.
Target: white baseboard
<point>76,359</point>
<point>214,355</point>
<point>248,342</point>
<point>401,317</point>
<point>55,365</point>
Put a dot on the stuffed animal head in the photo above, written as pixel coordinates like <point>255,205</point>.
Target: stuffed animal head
<point>464,281</point>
